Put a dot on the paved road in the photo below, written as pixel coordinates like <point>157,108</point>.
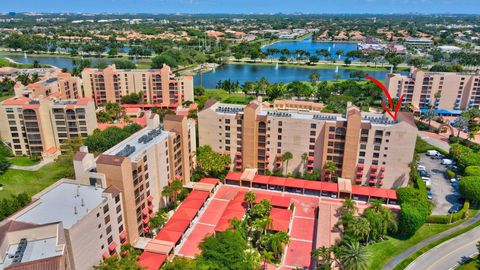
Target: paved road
<point>393,262</point>
<point>448,254</point>
<point>444,195</point>
<point>434,140</point>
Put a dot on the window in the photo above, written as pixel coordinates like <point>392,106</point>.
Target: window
<point>279,123</point>
<point>279,130</point>
<point>107,219</point>
<point>312,140</point>
<point>312,133</point>
<point>331,129</point>
<point>313,125</point>
<point>279,137</point>
<point>119,208</point>
<point>362,154</point>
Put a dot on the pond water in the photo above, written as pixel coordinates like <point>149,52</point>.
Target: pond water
<point>242,73</point>
<point>312,46</point>
<point>58,61</point>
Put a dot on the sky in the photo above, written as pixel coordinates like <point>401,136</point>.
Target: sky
<point>244,6</point>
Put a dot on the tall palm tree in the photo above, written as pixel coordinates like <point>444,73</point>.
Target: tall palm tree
<point>250,198</point>
<point>277,241</point>
<point>322,254</point>
<point>177,187</point>
<point>304,160</point>
<point>330,167</point>
<point>348,206</point>
<point>361,228</point>
<point>167,193</point>
<point>353,256</point>
<point>285,158</point>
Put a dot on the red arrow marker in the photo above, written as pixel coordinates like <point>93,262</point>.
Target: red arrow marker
<point>390,100</point>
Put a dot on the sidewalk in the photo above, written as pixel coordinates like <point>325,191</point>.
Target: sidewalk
<point>32,168</point>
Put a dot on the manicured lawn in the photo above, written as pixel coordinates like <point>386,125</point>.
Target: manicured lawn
<point>17,181</point>
<point>5,63</point>
<point>224,96</point>
<point>23,161</point>
<point>381,253</point>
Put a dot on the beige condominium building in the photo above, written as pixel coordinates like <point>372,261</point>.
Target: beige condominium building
<point>41,125</point>
<point>61,84</point>
<point>68,225</point>
<point>366,148</point>
<point>440,90</point>
<point>159,86</point>
<point>141,166</point>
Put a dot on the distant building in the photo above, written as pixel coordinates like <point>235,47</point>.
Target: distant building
<point>41,125</point>
<point>71,225</point>
<point>423,41</point>
<point>141,166</point>
<point>159,86</point>
<point>442,90</point>
<point>367,148</point>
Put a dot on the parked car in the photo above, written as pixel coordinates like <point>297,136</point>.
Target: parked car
<point>424,174</point>
<point>454,209</point>
<point>421,168</point>
<point>428,183</point>
<point>426,178</point>
<point>455,185</point>
<point>438,156</point>
<point>453,180</point>
<point>432,152</point>
<point>429,195</point>
<point>447,161</point>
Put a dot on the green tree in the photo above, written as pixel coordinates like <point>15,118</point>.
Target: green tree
<point>470,188</point>
<point>330,168</point>
<point>287,156</point>
<point>210,162</point>
<point>358,74</point>
<point>381,220</point>
<point>159,219</point>
<point>127,262</point>
<point>227,250</point>
<point>353,256</point>
<point>250,198</point>
<point>429,115</point>
<point>276,242</point>
<point>314,77</point>
<point>394,61</point>
<point>164,59</point>
<point>461,123</point>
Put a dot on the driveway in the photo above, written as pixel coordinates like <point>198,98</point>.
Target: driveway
<point>443,193</point>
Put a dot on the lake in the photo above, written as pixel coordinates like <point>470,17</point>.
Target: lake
<point>58,61</point>
<point>242,73</point>
<point>311,46</point>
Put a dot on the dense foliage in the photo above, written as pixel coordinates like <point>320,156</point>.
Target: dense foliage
<point>101,141</point>
<point>470,188</point>
<point>414,211</point>
<point>211,163</point>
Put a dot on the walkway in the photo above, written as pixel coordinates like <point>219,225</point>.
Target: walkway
<point>33,167</point>
<point>393,262</point>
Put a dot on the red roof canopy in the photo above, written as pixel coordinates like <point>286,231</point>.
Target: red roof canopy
<point>361,190</point>
<point>170,236</point>
<point>197,194</point>
<point>329,186</point>
<point>176,225</point>
<point>279,201</point>
<point>151,261</point>
<point>213,181</point>
<point>233,176</point>
<point>186,213</point>
<point>260,179</point>
<point>313,185</point>
<point>274,180</point>
<point>391,194</point>
<point>295,183</point>
<point>378,192</point>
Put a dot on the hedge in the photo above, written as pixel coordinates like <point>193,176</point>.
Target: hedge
<point>464,156</point>
<point>472,171</point>
<point>414,208</point>
<point>446,219</point>
<point>470,188</point>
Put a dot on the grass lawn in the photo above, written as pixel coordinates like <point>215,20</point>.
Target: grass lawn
<point>17,181</point>
<point>23,161</point>
<point>382,252</point>
<point>5,63</point>
<point>224,96</point>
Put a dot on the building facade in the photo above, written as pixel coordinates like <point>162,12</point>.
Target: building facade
<point>61,84</point>
<point>40,126</point>
<point>440,90</point>
<point>141,166</point>
<point>159,86</point>
<point>89,223</point>
<point>366,148</point>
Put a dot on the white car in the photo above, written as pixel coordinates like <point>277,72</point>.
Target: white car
<point>425,179</point>
<point>421,168</point>
<point>447,161</point>
<point>428,183</point>
<point>453,180</point>
<point>432,153</point>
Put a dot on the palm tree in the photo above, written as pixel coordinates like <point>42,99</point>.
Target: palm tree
<point>461,123</point>
<point>429,115</point>
<point>304,159</point>
<point>314,77</point>
<point>285,158</point>
<point>323,254</point>
<point>348,206</point>
<point>250,198</point>
<point>352,256</point>
<point>177,187</point>
<point>360,228</point>
<point>331,168</point>
<point>167,193</point>
<point>277,241</point>
<point>471,136</point>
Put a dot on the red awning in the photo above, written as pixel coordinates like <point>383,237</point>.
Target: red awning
<point>238,153</point>
<point>360,166</point>
<point>358,180</point>
<point>330,187</point>
<point>145,211</point>
<point>310,158</point>
<point>382,176</point>
<point>105,255</point>
<point>151,260</point>
<point>238,167</point>
<point>112,246</point>
<point>380,183</point>
<point>239,160</point>
<point>310,165</point>
<point>150,198</point>
<point>260,179</point>
<point>373,167</point>
<point>295,183</point>
<point>278,156</point>
<point>123,235</point>
<point>359,172</point>
<point>361,190</point>
<point>373,175</point>
<point>278,181</point>
<point>146,220</point>
<point>146,229</point>
<point>150,207</point>
<point>382,169</point>
<point>233,176</point>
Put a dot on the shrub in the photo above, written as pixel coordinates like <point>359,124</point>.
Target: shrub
<point>472,171</point>
<point>470,188</point>
<point>422,146</point>
<point>450,174</point>
<point>464,156</point>
<point>445,219</point>
<point>411,219</point>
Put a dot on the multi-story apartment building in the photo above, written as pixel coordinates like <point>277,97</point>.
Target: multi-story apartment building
<point>159,86</point>
<point>81,224</point>
<point>440,90</point>
<point>141,166</point>
<point>61,84</point>
<point>39,126</point>
<point>366,148</point>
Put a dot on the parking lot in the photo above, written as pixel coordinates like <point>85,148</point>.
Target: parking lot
<point>443,194</point>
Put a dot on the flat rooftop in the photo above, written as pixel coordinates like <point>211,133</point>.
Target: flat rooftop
<point>66,202</point>
<point>137,143</point>
<point>34,250</point>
